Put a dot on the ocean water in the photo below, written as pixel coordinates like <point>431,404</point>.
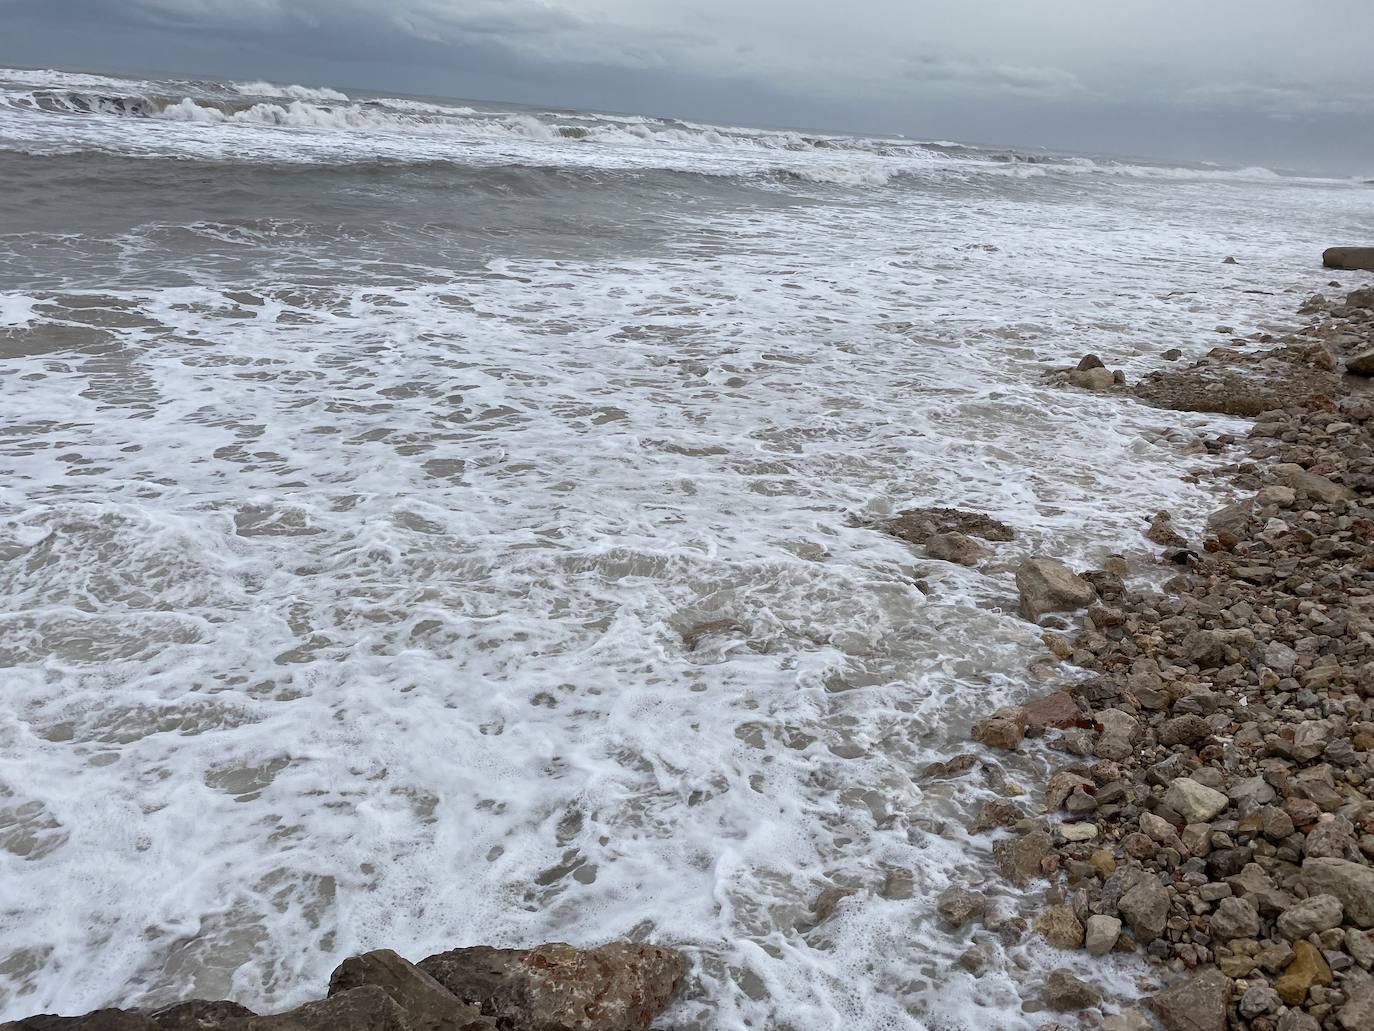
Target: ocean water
<point>428,523</point>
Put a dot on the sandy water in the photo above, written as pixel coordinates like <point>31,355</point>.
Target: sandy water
<point>369,467</point>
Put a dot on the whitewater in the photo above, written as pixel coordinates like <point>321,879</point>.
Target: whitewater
<point>428,523</point>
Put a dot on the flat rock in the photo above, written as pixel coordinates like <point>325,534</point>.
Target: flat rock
<point>98,1020</point>
<point>918,525</point>
<point>1196,1005</point>
<point>1307,969</point>
<point>1317,487</point>
<point>1355,258</point>
<point>200,1015</point>
<point>1065,993</point>
<point>1195,802</point>
<point>1057,710</point>
<point>556,987</point>
<point>1058,926</point>
<point>1310,916</point>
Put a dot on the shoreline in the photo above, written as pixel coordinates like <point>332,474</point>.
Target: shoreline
<point>1210,793</point>
<point>1125,865</point>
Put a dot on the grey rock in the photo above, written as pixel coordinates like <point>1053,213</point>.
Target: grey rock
<point>957,548</point>
<point>1350,882</point>
<point>1258,1000</point>
<point>1196,1005</point>
<point>1235,918</point>
<point>200,1015</point>
<point>958,906</point>
<point>1047,585</point>
<point>1195,802</point>
<point>1064,993</point>
<point>1146,909</point>
<point>429,1006</point>
<point>1102,933</point>
<point>1310,916</point>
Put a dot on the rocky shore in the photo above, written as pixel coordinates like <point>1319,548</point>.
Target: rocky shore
<point>618,987</point>
<point>1210,800</point>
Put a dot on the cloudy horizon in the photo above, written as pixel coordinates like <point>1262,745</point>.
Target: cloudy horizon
<point>1260,83</point>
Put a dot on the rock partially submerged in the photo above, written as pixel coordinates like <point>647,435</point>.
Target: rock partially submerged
<point>1048,585</point>
<point>1229,382</point>
<point>618,987</point>
<point>1349,258</point>
<point>918,525</point>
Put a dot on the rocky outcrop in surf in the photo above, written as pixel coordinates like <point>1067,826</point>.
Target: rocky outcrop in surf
<point>622,986</point>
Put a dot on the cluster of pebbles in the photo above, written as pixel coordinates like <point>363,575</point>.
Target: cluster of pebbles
<point>1211,795</point>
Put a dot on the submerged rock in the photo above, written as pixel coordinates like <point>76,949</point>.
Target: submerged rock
<point>957,548</point>
<point>918,525</point>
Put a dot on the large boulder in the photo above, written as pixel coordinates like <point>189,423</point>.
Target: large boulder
<point>362,1009</point>
<point>99,1020</point>
<point>200,1014</point>
<point>1047,585</point>
<point>1351,883</point>
<point>1355,258</point>
<point>618,987</point>
<point>429,1006</point>
<point>1196,1005</point>
<point>1360,364</point>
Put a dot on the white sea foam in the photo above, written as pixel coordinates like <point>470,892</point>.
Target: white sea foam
<point>267,89</point>
<point>363,606</point>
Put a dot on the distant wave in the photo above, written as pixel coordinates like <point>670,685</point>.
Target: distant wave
<point>267,89</point>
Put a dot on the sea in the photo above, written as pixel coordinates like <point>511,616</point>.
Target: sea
<point>429,523</point>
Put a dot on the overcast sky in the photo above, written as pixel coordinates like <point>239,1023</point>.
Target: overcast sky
<point>1280,82</point>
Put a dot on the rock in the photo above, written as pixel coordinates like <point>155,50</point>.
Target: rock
<point>1162,532</point>
<point>1128,1021</point>
<point>1280,658</point>
<point>1004,729</point>
<point>1360,364</point>
<point>1205,648</point>
<point>1307,969</point>
<point>1351,883</point>
<point>1092,379</point>
<point>1078,831</point>
<point>199,1015</point>
<point>429,1006</point>
<point>1020,859</point>
<point>1349,258</point>
<point>958,905</point>
<point>98,1020</point>
<point>1184,730</point>
<point>1195,802</point>
<point>1101,934</point>
<point>1297,1020</point>
<point>1089,362</point>
<point>1058,926</point>
<point>1196,1005</point>
<point>1146,909</point>
<point>1258,1000</point>
<point>1358,1013</point>
<point>1235,918</point>
<point>555,987</point>
<point>1317,487</point>
<point>1310,916</point>
<point>1229,260</point>
<point>1047,585</point>
<point>957,548</point>
<point>916,525</point>
<point>1057,710</point>
<point>1064,993</point>
<point>363,1009</point>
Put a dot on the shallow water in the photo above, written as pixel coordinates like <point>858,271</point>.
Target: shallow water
<point>420,527</point>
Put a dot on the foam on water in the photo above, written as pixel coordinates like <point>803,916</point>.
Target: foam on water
<point>524,599</point>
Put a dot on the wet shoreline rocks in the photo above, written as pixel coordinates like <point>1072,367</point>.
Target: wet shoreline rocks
<point>1211,797</point>
<point>622,986</point>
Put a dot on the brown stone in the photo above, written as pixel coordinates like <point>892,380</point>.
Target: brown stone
<point>556,987</point>
<point>1307,969</point>
<point>1355,258</point>
<point>1196,1005</point>
<point>429,1006</point>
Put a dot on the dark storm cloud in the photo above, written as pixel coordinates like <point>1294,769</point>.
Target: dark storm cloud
<point>1261,80</point>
